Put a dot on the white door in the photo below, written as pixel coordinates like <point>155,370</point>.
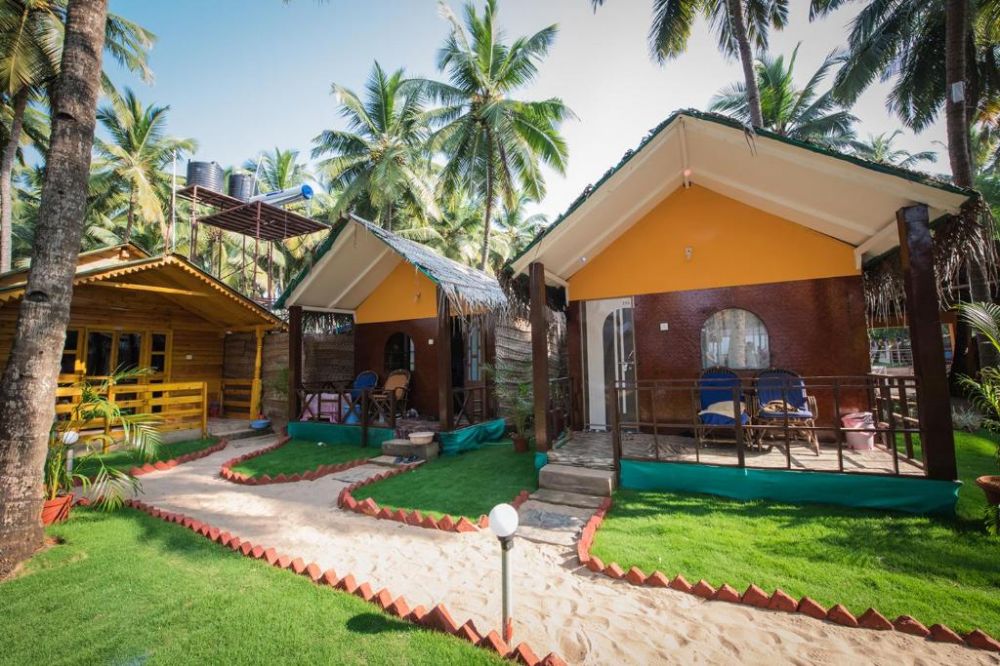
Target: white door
<point>609,350</point>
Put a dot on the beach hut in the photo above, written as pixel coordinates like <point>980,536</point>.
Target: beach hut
<point>415,313</point>
<point>134,310</point>
<point>718,279</point>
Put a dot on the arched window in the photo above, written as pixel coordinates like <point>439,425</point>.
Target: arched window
<point>735,339</point>
<point>400,353</point>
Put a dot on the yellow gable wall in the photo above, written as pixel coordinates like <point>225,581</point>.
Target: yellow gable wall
<point>404,294</point>
<point>731,244</point>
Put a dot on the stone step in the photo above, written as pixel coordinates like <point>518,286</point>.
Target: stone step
<point>567,499</point>
<point>245,433</point>
<point>404,447</point>
<point>555,524</point>
<point>388,461</point>
<point>580,480</point>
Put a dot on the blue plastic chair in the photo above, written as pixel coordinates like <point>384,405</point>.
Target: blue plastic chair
<point>366,380</point>
<point>718,385</point>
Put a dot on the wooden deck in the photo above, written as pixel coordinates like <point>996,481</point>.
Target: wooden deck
<point>594,450</point>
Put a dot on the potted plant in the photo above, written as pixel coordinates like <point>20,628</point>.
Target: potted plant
<point>984,319</point>
<point>517,402</point>
<point>84,434</point>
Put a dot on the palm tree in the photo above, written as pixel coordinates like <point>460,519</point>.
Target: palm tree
<point>515,229</point>
<point>494,144</point>
<point>902,42</point>
<point>736,23</point>
<point>277,170</point>
<point>379,163</point>
<point>804,114</point>
<point>31,34</point>
<point>29,378</point>
<point>136,154</point>
<point>880,148</point>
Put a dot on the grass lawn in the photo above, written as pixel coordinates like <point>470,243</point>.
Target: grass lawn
<point>125,588</point>
<point>300,455</point>
<point>933,569</point>
<point>469,484</point>
<point>126,459</point>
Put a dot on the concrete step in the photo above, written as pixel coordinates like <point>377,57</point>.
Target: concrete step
<point>389,461</point>
<point>567,499</point>
<point>556,524</point>
<point>579,480</point>
<point>404,447</point>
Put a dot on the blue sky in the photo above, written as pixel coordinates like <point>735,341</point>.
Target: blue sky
<point>243,76</point>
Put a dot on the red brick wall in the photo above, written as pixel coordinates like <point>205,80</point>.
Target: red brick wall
<point>369,354</point>
<point>815,327</point>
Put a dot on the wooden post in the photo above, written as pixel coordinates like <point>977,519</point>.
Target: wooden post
<point>924,315</point>
<point>204,409</point>
<point>294,361</point>
<point>256,389</point>
<point>446,402</point>
<point>539,354</point>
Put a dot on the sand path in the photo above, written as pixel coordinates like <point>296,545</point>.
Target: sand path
<point>558,605</point>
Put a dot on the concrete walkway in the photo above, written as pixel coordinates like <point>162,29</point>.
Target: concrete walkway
<point>558,606</point>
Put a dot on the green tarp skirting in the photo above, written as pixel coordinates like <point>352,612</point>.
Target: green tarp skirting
<point>334,433</point>
<point>472,437</point>
<point>913,495</point>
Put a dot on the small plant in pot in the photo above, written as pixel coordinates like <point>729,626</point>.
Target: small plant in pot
<point>984,392</point>
<point>83,437</point>
<point>519,406</point>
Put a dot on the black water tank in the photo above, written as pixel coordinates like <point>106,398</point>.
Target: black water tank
<point>205,174</point>
<point>241,186</point>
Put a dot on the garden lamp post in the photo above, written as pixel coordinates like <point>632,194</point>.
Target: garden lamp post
<point>503,523</point>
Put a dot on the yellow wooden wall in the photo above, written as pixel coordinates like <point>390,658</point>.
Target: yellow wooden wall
<point>197,345</point>
<point>405,294</point>
<point>730,244</point>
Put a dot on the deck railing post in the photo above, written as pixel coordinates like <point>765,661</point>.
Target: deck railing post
<point>838,430</point>
<point>741,453</point>
<point>204,409</point>
<point>616,442</point>
<point>365,416</point>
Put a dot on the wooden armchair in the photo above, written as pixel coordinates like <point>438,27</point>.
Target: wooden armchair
<point>390,401</point>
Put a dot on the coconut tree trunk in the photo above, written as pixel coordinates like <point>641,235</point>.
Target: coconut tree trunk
<point>739,29</point>
<point>956,113</point>
<point>957,121</point>
<point>7,158</point>
<point>27,404</point>
<point>487,220</point>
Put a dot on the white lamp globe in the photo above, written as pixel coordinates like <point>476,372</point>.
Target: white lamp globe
<point>503,520</point>
<point>70,437</point>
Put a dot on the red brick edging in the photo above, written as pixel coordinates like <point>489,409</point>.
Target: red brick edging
<point>162,465</point>
<point>414,518</point>
<point>778,601</point>
<point>437,618</point>
<point>228,474</point>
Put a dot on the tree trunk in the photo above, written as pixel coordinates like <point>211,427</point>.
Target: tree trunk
<point>130,218</point>
<point>27,401</point>
<point>7,158</point>
<point>957,119</point>
<point>739,30</point>
<point>485,257</point>
<point>956,113</point>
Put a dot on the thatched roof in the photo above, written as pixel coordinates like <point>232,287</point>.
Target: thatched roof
<point>358,255</point>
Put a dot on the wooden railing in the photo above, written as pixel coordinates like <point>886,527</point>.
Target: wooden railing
<point>472,404</point>
<point>560,409</point>
<point>180,405</point>
<point>658,420</point>
<point>241,398</point>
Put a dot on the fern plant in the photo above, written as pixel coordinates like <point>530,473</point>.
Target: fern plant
<point>138,432</point>
<point>984,319</point>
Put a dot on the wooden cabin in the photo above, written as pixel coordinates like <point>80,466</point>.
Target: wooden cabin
<point>413,310</point>
<point>713,255</point>
<point>131,309</point>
